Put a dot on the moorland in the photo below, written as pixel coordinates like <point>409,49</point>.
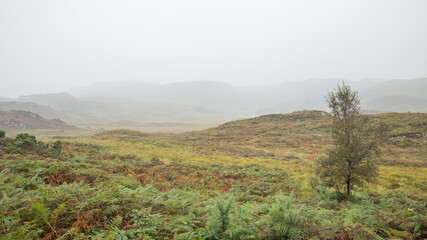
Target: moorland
<point>245,179</point>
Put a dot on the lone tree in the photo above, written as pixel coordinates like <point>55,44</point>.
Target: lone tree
<point>357,141</point>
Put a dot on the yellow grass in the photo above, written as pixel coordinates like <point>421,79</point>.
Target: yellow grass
<point>390,177</point>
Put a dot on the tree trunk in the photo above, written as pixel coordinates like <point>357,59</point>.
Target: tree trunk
<point>348,188</point>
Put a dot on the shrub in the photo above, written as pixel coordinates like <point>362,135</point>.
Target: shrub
<point>285,220</point>
<point>243,226</point>
<point>57,148</point>
<point>219,219</point>
<point>25,141</point>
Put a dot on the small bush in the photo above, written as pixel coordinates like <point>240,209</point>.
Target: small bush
<point>219,220</point>
<point>25,141</point>
<point>285,219</point>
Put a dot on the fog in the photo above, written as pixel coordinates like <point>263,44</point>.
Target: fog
<point>53,46</point>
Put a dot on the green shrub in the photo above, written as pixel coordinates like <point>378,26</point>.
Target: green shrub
<point>25,141</point>
<point>57,148</point>
<point>285,219</point>
<point>219,219</point>
<point>243,226</point>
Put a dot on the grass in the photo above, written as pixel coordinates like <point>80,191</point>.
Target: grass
<point>290,142</point>
<point>246,179</point>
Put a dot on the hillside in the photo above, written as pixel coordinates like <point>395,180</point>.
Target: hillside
<point>272,133</point>
<point>23,120</point>
<point>399,87</point>
<point>398,104</point>
<point>43,111</point>
<point>176,182</point>
<point>306,135</point>
<point>45,99</point>
<point>299,136</point>
<point>245,101</point>
<point>150,117</point>
<point>308,122</point>
<point>198,93</point>
<point>94,109</point>
<point>85,190</point>
<point>199,101</point>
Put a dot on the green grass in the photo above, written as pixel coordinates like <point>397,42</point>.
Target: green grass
<point>88,191</point>
<point>132,185</point>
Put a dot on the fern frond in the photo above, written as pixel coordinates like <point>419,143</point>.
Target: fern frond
<point>57,212</point>
<point>111,209</point>
<point>115,222</point>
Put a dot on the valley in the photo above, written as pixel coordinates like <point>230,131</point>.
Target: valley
<point>213,120</point>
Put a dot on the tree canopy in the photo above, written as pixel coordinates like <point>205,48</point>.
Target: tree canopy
<point>356,144</point>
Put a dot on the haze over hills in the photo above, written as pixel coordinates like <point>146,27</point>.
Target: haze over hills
<point>212,100</point>
<point>23,120</point>
<point>398,103</point>
<point>42,110</point>
<point>285,97</point>
<point>410,87</point>
<point>200,92</point>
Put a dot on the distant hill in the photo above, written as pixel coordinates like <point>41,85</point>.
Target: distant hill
<point>62,102</point>
<point>41,110</point>
<point>416,88</point>
<point>196,93</point>
<point>45,99</point>
<point>250,100</point>
<point>50,113</point>
<point>397,104</point>
<point>171,102</point>
<point>23,120</point>
<point>237,101</point>
<point>213,100</point>
<point>397,96</point>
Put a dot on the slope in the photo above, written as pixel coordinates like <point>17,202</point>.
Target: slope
<point>397,104</point>
<point>43,111</point>
<point>305,133</point>
<point>23,120</point>
<point>299,136</point>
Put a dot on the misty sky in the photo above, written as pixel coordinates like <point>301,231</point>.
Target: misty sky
<point>48,46</point>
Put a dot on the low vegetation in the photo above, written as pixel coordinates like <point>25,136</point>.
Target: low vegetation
<point>247,179</point>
